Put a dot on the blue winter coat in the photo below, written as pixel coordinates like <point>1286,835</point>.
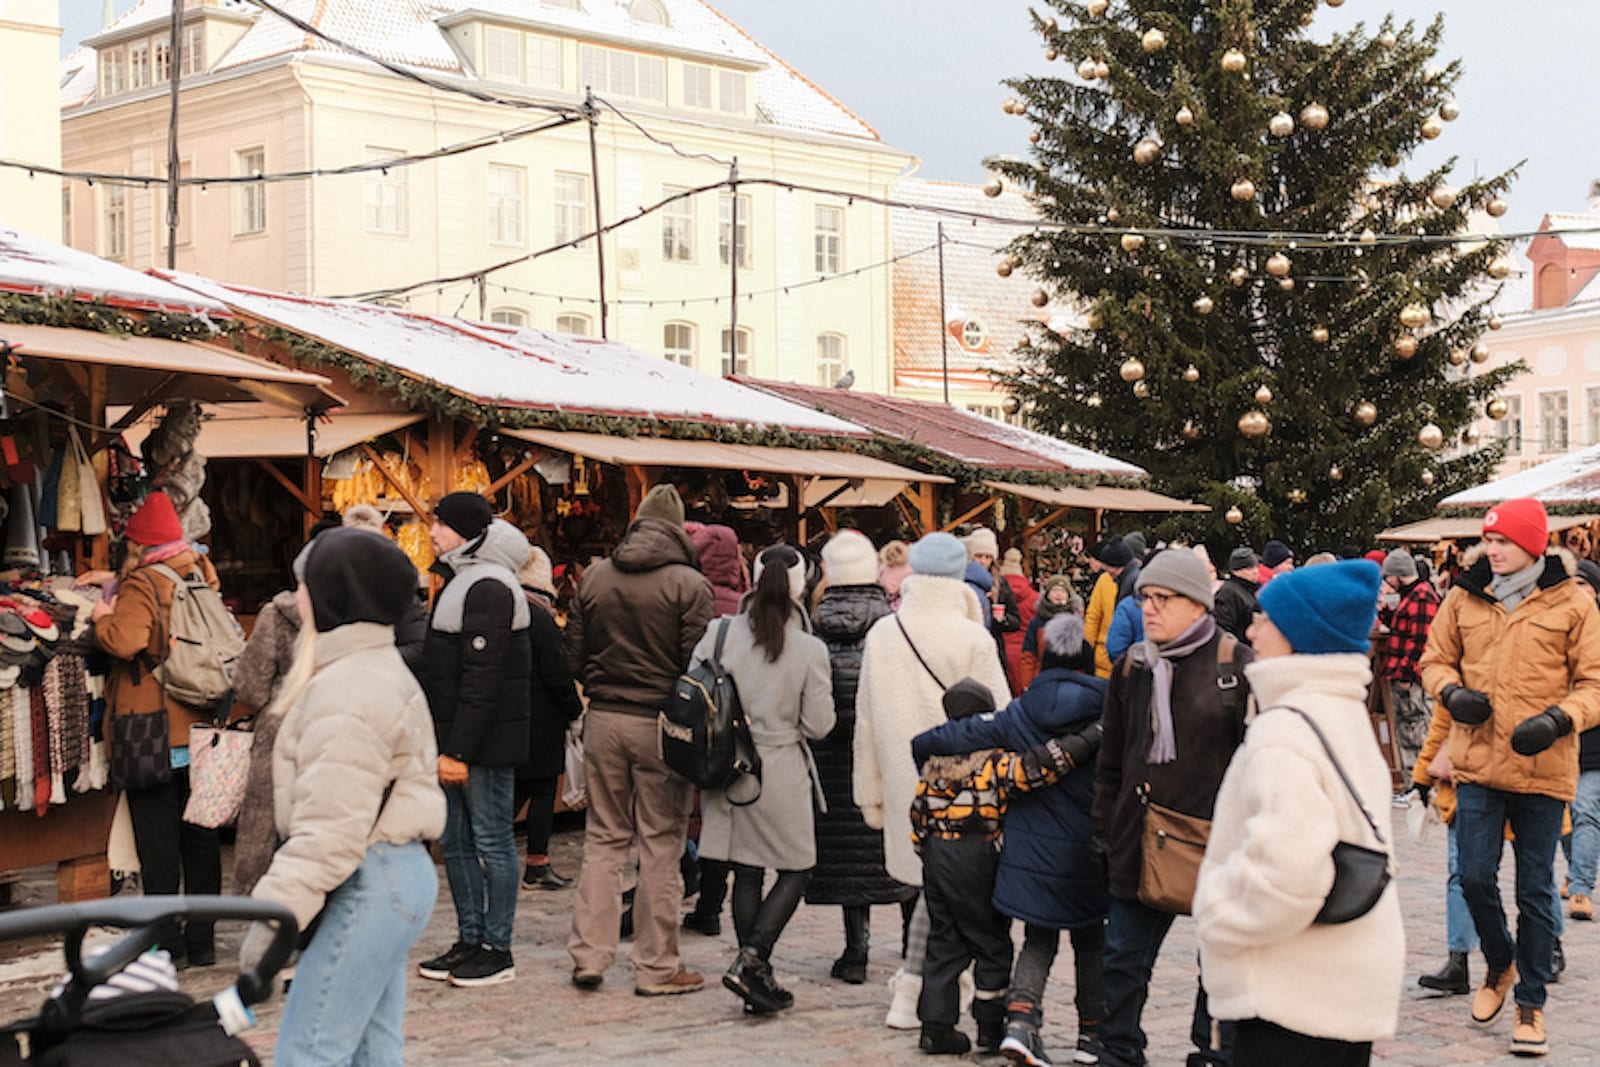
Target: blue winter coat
<point>1127,628</point>
<point>980,581</point>
<point>1049,875</point>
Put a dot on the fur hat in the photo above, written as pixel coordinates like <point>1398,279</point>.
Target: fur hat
<point>1399,564</point>
<point>1012,562</point>
<point>468,514</point>
<point>661,502</point>
<point>1181,571</point>
<point>849,559</point>
<point>363,517</point>
<point>981,542</point>
<point>939,555</point>
<point>788,557</point>
<point>536,573</point>
<point>1522,521</point>
<point>1322,610</point>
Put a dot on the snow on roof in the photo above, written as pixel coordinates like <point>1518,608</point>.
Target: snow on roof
<point>77,77</point>
<point>507,367</point>
<point>1570,479</point>
<point>30,264</point>
<point>1583,242</point>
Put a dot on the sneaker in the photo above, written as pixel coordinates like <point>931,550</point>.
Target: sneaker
<point>487,966</point>
<point>543,877</point>
<point>1023,1044</point>
<point>682,982</point>
<point>710,925</point>
<point>940,1040</point>
<point>440,966</point>
<point>1582,908</point>
<point>1491,996</point>
<point>586,979</point>
<point>1402,800</point>
<point>1088,1050</point>
<point>1527,1033</point>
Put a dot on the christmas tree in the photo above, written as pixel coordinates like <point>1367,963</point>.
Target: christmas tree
<point>1278,321</point>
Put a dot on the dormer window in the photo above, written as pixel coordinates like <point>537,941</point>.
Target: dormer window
<point>649,12</point>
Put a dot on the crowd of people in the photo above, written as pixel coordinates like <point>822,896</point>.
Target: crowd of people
<point>935,729</point>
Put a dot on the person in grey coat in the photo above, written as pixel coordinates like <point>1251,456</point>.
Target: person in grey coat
<point>786,689</point>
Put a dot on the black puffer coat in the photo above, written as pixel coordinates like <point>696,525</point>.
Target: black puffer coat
<point>849,866</point>
<point>553,702</point>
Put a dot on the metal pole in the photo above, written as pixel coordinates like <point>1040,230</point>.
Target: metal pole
<point>733,266</point>
<point>594,173</point>
<point>174,64</point>
<point>483,297</point>
<point>944,322</point>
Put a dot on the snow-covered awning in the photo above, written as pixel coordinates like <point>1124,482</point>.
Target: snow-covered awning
<point>1570,479</point>
<point>1098,497</point>
<point>257,434</point>
<point>1428,531</point>
<point>30,264</point>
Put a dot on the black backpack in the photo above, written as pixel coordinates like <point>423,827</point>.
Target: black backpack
<point>704,733</point>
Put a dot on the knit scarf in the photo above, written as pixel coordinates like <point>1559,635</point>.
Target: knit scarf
<point>1512,589</point>
<point>162,553</point>
<point>1158,658</point>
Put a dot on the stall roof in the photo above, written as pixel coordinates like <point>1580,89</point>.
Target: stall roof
<point>966,436</point>
<point>259,434</point>
<point>506,367</point>
<point>1570,479</point>
<point>1099,497</point>
<point>30,264</point>
<point>214,373</point>
<point>1428,531</point>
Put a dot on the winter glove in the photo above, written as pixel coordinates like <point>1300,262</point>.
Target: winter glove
<point>1424,791</point>
<point>1082,745</point>
<point>254,947</point>
<point>1466,706</point>
<point>1533,736</point>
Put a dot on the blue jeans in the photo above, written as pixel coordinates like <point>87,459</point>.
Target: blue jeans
<point>1134,934</point>
<point>1460,934</point>
<point>480,855</point>
<point>1481,817</point>
<point>347,1003</point>
<point>1585,854</point>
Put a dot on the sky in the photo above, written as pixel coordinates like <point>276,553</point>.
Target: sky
<point>927,75</point>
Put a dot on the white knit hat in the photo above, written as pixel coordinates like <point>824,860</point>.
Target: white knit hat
<point>849,559</point>
<point>981,542</point>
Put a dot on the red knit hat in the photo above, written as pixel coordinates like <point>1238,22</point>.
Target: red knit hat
<point>1522,522</point>
<point>1377,556</point>
<point>156,522</point>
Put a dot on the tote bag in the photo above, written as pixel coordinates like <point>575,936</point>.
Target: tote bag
<point>91,504</point>
<point>219,766</point>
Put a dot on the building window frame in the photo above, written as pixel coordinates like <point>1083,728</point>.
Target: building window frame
<point>139,65</point>
<point>677,226</point>
<point>384,207</point>
<point>724,219</point>
<point>1555,420</point>
<point>500,44</point>
<point>570,206</point>
<point>833,358</point>
<point>619,72</point>
<point>543,63</point>
<point>1509,429</point>
<point>508,204</point>
<point>827,239</point>
<point>574,323</point>
<point>161,59</point>
<point>509,316</point>
<point>194,50</point>
<point>738,362</point>
<point>678,343</point>
<point>114,222</point>
<point>733,92</point>
<point>697,86</point>
<point>250,205</point>
<point>113,72</point>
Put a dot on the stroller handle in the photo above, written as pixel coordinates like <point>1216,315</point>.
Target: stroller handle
<point>144,915</point>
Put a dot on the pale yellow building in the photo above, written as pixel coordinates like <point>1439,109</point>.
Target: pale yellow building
<point>262,96</point>
<point>29,70</point>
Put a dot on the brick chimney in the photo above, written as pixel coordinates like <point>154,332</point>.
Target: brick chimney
<point>1559,270</point>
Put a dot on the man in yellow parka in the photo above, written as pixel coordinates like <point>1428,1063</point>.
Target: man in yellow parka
<point>1514,657</point>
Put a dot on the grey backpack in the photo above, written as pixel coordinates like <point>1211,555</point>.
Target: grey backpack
<point>203,643</point>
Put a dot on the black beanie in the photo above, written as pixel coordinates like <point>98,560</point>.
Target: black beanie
<point>356,575</point>
<point>468,514</point>
<point>967,697</point>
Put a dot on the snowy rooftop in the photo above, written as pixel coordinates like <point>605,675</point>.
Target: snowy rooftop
<point>507,367</point>
<point>1587,239</point>
<point>1570,479</point>
<point>31,264</point>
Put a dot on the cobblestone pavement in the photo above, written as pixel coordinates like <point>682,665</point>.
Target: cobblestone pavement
<point>540,1018</point>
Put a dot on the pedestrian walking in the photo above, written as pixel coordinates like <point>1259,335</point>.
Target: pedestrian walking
<point>1431,776</point>
<point>1408,605</point>
<point>1583,844</point>
<point>1113,560</point>
<point>1298,990</point>
<point>1026,598</point>
<point>1236,596</point>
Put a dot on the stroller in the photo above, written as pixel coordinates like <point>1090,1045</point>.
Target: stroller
<point>160,1028</point>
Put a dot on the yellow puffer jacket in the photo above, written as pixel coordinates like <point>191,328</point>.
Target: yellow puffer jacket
<point>1545,652</point>
<point>1097,622</point>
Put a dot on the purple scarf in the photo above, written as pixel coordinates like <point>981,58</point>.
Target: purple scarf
<point>1163,743</point>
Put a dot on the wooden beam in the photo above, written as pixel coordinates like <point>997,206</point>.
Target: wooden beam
<point>464,446</point>
<point>1054,517</point>
<point>288,483</point>
<point>405,494</point>
<point>638,479</point>
<point>440,464</point>
<point>970,513</point>
<point>149,400</point>
<point>909,514</point>
<point>515,472</point>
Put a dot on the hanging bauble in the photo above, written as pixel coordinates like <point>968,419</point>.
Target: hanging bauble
<point>1243,189</point>
<point>1278,265</point>
<point>1499,268</point>
<point>1141,389</point>
<point>1112,214</point>
<point>1430,436</point>
<point>1204,305</point>
<point>1191,432</point>
<point>1495,322</point>
<point>1469,436</point>
<point>1319,335</point>
<point>1263,395</point>
<point>1132,242</point>
<point>1297,496</point>
<point>1457,357</point>
<point>1238,276</point>
<point>1049,25</point>
<point>1147,151</point>
<point>1405,346</point>
<point>1443,197</point>
<point>1335,3</point>
<point>1449,110</point>
<point>993,188</point>
<point>1153,40</point>
<point>1096,8</point>
<point>1254,424</point>
<point>1480,352</point>
<point>1335,473</point>
<point>1414,316</point>
<point>1391,160</point>
<point>1314,117</point>
<point>1497,206</point>
<point>1050,55</point>
<point>1431,127</point>
<point>1426,477</point>
<point>1233,61</point>
<point>1086,70</point>
<point>1387,40</point>
<point>1366,413</point>
<point>1234,515</point>
<point>1131,370</point>
<point>1307,19</point>
<point>1034,137</point>
<point>1368,237</point>
<point>1281,124</point>
<point>1102,69</point>
<point>1191,373</point>
<point>1496,409</point>
<point>1039,298</point>
<point>1286,284</point>
<point>1012,106</point>
<point>1094,400</point>
<point>1003,268</point>
<point>1094,321</point>
<point>1185,116</point>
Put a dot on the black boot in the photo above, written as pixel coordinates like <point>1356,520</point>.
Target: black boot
<point>851,968</point>
<point>940,1040</point>
<point>1451,979</point>
<point>750,978</point>
<point>990,1015</point>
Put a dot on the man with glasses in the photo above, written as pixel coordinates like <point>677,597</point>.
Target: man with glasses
<point>1174,714</point>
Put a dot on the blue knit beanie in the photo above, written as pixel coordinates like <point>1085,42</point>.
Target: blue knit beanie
<point>939,555</point>
<point>1325,609</point>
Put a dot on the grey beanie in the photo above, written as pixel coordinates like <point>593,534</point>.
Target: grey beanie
<point>1241,559</point>
<point>1136,543</point>
<point>1181,571</point>
<point>1399,564</point>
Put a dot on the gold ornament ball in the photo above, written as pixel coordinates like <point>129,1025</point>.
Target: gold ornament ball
<point>1431,128</point>
<point>1254,424</point>
<point>1050,55</point>
<point>1499,268</point>
<point>1204,305</point>
<point>1480,353</point>
<point>1281,124</point>
<point>1234,515</point>
<point>1033,137</point>
<point>1132,242</point>
<point>1278,265</point>
<point>1426,478</point>
<point>1449,110</point>
<point>993,188</point>
<point>1457,357</point>
<point>1430,436</point>
<point>1086,70</point>
<point>1147,151</point>
<point>1368,237</point>
<point>1297,496</point>
<point>1414,315</point>
<point>1191,432</point>
<point>1335,473</point>
<point>1405,346</point>
<point>1097,8</point>
<point>1238,276</point>
<point>1003,268</point>
<point>1387,40</point>
<point>1233,61</point>
<point>1191,373</point>
<point>1335,3</point>
<point>1185,116</point>
<point>1039,298</point>
<point>1366,413</point>
<point>1286,284</point>
<point>1102,69</point>
<point>1496,409</point>
<point>1112,214</point>
<point>1131,370</point>
<point>1497,206</point>
<point>1243,189</point>
<point>1153,40</point>
<point>1319,335</point>
<point>1443,197</point>
<point>1314,117</point>
<point>1495,322</point>
<point>1470,436</point>
<point>1012,106</point>
<point>1263,396</point>
<point>1141,389</point>
<point>1049,25</point>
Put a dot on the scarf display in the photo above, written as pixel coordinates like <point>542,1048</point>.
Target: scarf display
<point>1512,589</point>
<point>1158,658</point>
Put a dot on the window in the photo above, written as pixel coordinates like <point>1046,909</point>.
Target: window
<point>506,204</point>
<point>610,70</point>
<point>251,201</point>
<point>544,61</point>
<point>114,244</point>
<point>163,59</point>
<point>677,343</point>
<point>696,85</point>
<point>509,317</point>
<point>648,11</point>
<point>973,335</point>
<point>731,91</point>
<point>830,358</point>
<point>185,208</point>
<point>571,206</point>
<point>828,239</point>
<point>736,363</point>
<point>194,50</point>
<point>113,74</point>
<point>1510,427</point>
<point>1594,416</point>
<point>383,207</point>
<point>677,226</point>
<point>725,229</point>
<point>502,54</point>
<point>577,325</point>
<point>1553,422</point>
<point>139,66</point>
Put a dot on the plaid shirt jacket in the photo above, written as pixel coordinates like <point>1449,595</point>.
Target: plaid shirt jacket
<point>1408,623</point>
